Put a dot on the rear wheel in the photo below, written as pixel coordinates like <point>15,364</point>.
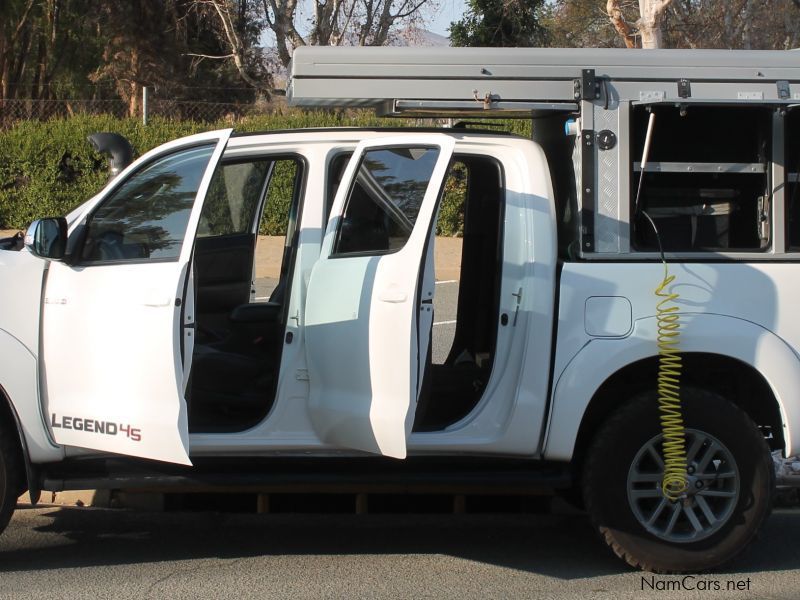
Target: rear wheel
<point>730,477</point>
<point>10,474</point>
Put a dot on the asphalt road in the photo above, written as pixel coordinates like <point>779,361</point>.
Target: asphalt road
<point>98,553</point>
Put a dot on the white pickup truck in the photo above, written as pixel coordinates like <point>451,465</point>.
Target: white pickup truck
<point>136,353</point>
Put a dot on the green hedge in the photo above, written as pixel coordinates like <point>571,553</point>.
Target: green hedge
<point>49,168</point>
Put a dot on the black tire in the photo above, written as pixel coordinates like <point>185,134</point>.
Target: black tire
<point>617,446</point>
<point>10,473</point>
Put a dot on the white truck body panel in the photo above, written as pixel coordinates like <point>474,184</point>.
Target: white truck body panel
<point>19,346</point>
<point>740,310</point>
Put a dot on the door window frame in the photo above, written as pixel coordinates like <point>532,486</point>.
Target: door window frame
<point>337,255</point>
<point>80,233</point>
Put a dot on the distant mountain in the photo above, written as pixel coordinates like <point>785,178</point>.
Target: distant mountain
<point>433,39</point>
<point>419,37</point>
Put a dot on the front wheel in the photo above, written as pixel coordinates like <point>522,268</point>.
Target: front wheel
<point>10,473</point>
<point>730,477</point>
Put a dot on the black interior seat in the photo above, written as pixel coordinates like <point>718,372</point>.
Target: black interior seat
<point>227,389</point>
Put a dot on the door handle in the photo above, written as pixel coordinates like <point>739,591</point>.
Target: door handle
<point>393,296</point>
<point>154,301</point>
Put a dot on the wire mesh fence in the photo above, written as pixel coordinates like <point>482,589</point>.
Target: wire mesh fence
<point>15,110</point>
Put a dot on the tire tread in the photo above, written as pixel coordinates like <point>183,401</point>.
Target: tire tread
<point>608,433</point>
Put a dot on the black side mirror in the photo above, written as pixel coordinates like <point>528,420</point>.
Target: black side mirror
<point>47,238</point>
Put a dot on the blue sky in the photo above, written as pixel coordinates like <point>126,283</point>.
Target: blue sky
<point>448,11</point>
<point>437,19</point>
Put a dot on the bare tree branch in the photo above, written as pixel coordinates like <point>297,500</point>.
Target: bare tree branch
<point>222,8</point>
<point>620,24</point>
<point>23,20</point>
<point>224,56</point>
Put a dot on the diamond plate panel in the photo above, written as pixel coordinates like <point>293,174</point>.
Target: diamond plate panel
<point>607,225</point>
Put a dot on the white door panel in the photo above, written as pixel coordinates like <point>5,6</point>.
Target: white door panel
<point>109,386</point>
<point>366,342</point>
<point>113,360</point>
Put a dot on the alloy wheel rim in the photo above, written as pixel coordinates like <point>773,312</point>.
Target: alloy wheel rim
<point>711,497</point>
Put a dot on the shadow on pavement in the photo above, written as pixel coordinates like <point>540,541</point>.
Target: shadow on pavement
<point>563,547</point>
<point>557,546</point>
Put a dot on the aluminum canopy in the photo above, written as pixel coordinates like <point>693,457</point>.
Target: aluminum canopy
<point>387,77</point>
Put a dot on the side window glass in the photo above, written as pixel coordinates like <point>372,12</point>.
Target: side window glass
<point>146,217</point>
<point>276,230</point>
<point>233,197</point>
<point>385,199</point>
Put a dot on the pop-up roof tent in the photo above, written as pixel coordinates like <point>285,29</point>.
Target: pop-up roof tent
<point>720,154</point>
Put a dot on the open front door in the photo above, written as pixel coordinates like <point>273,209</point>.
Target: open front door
<point>369,305</point>
<point>117,321</point>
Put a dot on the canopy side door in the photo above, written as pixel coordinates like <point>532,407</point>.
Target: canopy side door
<point>368,308</point>
<point>118,318</point>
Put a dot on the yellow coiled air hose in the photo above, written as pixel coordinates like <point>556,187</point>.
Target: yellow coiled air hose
<point>674,484</point>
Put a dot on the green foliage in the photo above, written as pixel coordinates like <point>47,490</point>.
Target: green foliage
<point>500,23</point>
<point>49,168</point>
<point>275,217</point>
<point>451,212</point>
<point>580,24</point>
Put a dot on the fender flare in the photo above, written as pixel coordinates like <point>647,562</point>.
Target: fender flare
<point>31,474</point>
<point>723,335</point>
<point>19,390</point>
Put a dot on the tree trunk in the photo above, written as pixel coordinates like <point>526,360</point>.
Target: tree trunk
<point>37,87</point>
<point>20,63</point>
<point>3,67</point>
<point>133,99</point>
<point>651,14</point>
<point>747,30</point>
<point>4,73</point>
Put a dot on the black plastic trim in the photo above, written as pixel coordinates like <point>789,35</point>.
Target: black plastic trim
<point>477,474</point>
<point>587,190</point>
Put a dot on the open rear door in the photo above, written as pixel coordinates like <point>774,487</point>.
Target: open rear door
<point>369,306</point>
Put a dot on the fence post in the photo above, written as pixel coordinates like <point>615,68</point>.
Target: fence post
<point>144,105</point>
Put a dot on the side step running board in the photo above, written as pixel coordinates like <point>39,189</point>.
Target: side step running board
<point>476,476</point>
